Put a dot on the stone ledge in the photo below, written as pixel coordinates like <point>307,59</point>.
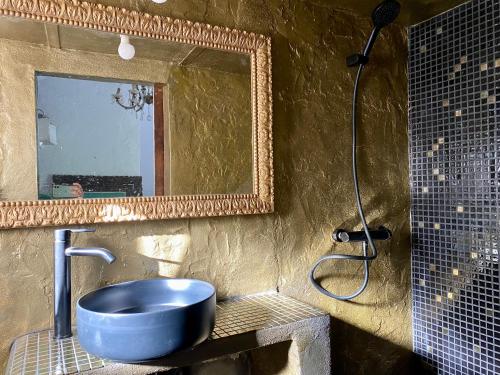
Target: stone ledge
<point>312,344</point>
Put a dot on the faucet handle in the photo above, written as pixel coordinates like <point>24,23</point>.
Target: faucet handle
<point>65,233</point>
<point>82,230</point>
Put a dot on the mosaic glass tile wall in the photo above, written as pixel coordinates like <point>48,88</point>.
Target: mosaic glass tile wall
<point>454,114</point>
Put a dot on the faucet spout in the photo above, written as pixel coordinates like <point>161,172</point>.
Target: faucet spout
<point>100,252</point>
<point>63,251</point>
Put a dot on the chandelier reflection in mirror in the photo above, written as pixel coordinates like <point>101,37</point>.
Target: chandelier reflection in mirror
<point>139,96</point>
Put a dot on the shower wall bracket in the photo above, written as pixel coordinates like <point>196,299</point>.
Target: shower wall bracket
<point>356,60</point>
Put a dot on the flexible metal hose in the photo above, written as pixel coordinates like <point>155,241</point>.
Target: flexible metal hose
<point>365,258</point>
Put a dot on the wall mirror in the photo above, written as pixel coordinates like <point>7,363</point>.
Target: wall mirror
<point>111,115</point>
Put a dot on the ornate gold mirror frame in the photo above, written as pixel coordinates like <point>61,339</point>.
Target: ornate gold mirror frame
<point>123,21</point>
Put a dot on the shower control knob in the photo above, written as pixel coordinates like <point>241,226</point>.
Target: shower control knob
<point>340,235</point>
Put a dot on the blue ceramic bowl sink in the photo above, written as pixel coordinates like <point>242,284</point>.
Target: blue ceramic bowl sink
<point>140,320</point>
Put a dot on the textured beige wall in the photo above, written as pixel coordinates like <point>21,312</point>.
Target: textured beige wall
<point>210,126</point>
<point>312,96</point>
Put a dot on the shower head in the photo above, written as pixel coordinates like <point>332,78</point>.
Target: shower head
<point>385,13</point>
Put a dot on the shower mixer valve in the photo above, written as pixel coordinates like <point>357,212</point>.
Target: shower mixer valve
<point>381,234</point>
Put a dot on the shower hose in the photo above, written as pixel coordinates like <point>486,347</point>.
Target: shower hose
<point>365,258</point>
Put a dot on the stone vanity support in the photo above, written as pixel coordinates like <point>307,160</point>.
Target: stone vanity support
<point>309,353</point>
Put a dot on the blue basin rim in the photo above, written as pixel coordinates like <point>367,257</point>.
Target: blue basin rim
<point>140,320</point>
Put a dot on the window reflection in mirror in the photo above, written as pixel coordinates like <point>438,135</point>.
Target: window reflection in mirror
<point>96,138</point>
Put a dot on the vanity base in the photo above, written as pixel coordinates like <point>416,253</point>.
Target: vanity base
<point>242,324</point>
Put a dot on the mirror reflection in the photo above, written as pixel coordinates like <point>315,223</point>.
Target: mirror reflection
<point>104,120</point>
<point>106,150</point>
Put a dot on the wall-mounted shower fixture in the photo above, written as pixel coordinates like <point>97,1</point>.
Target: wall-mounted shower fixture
<point>384,14</point>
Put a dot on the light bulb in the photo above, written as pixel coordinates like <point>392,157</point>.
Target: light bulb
<point>125,49</point>
<point>159,1</point>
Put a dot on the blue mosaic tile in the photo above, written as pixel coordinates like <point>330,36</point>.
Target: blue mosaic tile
<point>454,131</point>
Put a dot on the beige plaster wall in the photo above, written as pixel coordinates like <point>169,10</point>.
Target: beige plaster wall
<point>210,126</point>
<point>312,94</point>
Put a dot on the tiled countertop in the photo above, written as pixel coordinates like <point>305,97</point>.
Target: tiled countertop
<point>242,324</point>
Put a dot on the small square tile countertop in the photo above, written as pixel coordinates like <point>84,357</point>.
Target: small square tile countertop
<point>242,324</point>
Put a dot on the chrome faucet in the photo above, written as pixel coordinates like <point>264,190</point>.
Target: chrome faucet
<point>63,251</point>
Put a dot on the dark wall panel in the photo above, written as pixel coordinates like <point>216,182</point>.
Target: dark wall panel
<point>454,114</point>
